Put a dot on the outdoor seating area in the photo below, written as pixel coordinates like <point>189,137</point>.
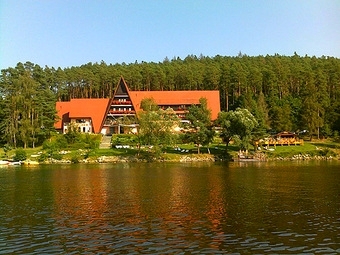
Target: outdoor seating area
<point>282,139</point>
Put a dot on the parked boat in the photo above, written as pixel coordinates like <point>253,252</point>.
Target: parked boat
<point>14,163</point>
<point>4,162</point>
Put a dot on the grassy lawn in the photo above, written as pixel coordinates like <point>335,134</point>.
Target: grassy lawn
<point>11,153</point>
<point>321,148</point>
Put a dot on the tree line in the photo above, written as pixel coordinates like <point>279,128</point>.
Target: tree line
<point>291,93</point>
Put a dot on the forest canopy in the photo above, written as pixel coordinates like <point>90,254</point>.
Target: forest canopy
<point>291,93</point>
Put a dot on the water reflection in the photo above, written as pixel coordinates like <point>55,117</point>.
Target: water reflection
<point>171,208</point>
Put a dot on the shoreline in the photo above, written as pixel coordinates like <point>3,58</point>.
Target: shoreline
<point>185,159</point>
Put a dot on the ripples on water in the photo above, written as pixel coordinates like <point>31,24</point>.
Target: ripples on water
<point>171,209</point>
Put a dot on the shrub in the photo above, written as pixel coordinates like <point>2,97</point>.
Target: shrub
<point>91,141</point>
<point>86,141</point>
<point>327,152</point>
<point>42,157</point>
<point>336,136</point>
<point>56,143</point>
<point>124,139</point>
<point>78,146</point>
<point>57,156</point>
<point>61,142</point>
<point>20,155</point>
<point>49,145</point>
<point>75,159</point>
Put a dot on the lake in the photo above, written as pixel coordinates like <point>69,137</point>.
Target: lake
<point>171,208</point>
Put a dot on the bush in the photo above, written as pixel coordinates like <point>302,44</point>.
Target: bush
<point>57,156</point>
<point>43,157</point>
<point>336,136</point>
<point>326,153</point>
<point>20,155</point>
<point>61,142</point>
<point>56,143</point>
<point>76,156</point>
<point>75,159</point>
<point>86,141</point>
<point>124,139</point>
<point>92,141</point>
<point>49,145</point>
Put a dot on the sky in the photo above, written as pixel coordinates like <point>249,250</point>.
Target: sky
<point>65,33</point>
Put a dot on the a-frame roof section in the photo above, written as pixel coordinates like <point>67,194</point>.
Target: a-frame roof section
<point>122,88</point>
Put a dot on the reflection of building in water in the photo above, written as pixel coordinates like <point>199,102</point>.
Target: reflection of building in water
<point>82,197</point>
<point>217,209</point>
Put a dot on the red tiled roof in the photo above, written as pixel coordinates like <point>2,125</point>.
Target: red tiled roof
<point>62,111</point>
<point>179,98</point>
<point>94,108</point>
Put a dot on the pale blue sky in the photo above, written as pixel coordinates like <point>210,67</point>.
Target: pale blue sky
<point>64,33</point>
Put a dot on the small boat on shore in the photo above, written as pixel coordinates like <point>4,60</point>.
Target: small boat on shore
<point>14,163</point>
<point>9,163</point>
<point>3,162</point>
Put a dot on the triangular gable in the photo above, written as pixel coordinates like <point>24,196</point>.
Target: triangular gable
<point>122,88</point>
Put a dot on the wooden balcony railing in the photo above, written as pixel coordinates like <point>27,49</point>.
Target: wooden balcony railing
<point>122,112</point>
<point>117,102</point>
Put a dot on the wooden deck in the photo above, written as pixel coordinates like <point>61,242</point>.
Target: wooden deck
<point>282,142</point>
<point>281,139</point>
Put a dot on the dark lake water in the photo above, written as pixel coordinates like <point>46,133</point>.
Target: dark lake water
<point>171,208</point>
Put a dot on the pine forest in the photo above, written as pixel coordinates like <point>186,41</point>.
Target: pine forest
<point>284,93</point>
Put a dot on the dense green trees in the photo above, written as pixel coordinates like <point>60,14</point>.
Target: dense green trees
<point>200,125</point>
<point>156,125</point>
<point>28,103</point>
<point>283,92</point>
<point>237,125</point>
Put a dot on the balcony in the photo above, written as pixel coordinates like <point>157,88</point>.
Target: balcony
<point>122,112</point>
<point>117,102</point>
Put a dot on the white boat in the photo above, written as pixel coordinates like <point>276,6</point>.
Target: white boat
<point>14,163</point>
<point>4,162</point>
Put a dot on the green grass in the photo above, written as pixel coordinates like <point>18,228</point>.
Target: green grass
<point>11,153</point>
<point>310,148</point>
<point>321,148</point>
